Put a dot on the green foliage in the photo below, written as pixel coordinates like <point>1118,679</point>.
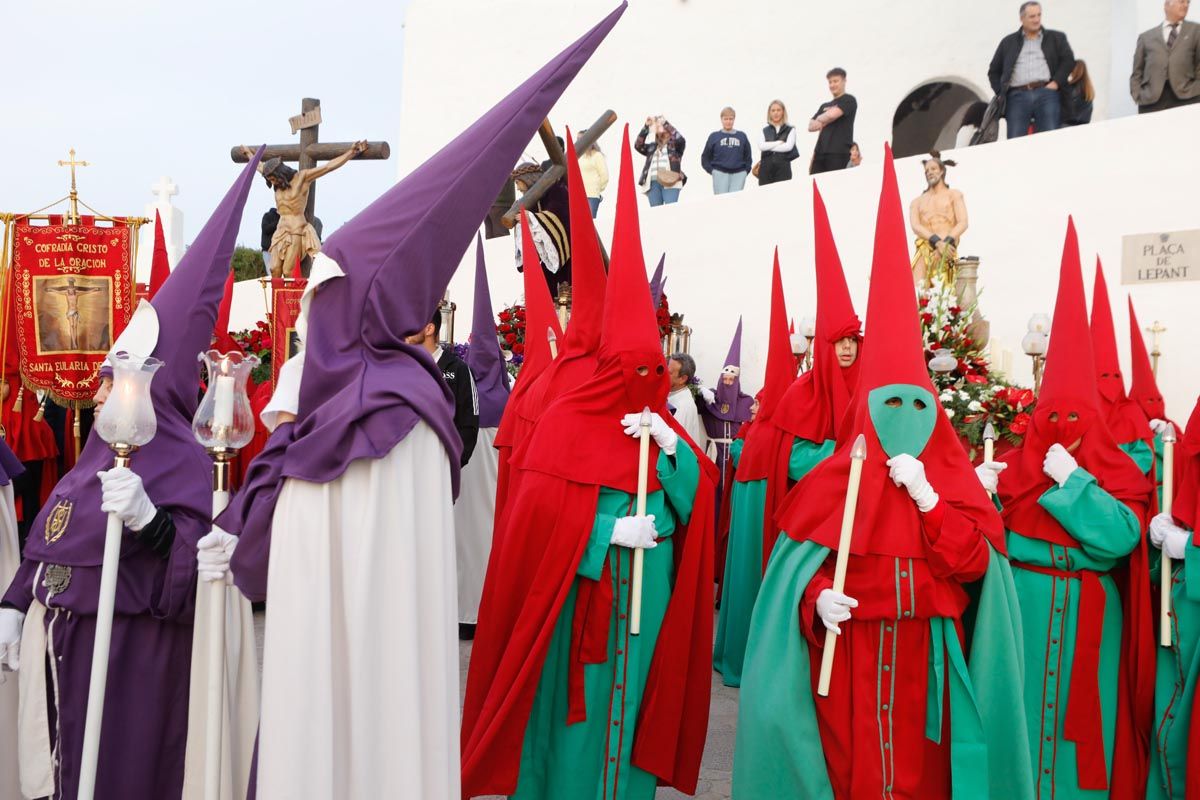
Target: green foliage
<point>248,263</point>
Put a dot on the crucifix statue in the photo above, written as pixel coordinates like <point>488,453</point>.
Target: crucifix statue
<point>295,190</point>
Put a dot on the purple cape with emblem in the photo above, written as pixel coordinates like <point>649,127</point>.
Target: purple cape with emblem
<point>145,713</point>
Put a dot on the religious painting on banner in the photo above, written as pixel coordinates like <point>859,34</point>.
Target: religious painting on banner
<point>72,296</point>
<point>285,304</point>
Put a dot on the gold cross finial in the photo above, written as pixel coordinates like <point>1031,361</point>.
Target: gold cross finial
<point>72,163</point>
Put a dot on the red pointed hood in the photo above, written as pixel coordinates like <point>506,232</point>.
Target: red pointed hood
<point>160,266</point>
<point>781,364</point>
<point>579,437</point>
<point>1068,412</point>
<point>1144,389</point>
<point>1186,508</point>
<point>814,405</point>
<point>580,352</point>
<point>540,317</point>
<point>1124,418</point>
<point>887,522</point>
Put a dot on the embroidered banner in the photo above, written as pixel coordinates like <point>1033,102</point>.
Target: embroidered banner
<point>71,295</point>
<point>285,310</point>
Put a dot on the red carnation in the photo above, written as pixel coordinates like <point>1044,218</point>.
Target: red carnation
<point>976,379</point>
<point>926,318</point>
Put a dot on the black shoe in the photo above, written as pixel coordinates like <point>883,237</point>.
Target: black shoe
<point>466,631</point>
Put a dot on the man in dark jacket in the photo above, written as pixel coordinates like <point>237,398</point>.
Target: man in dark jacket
<point>1028,69</point>
<point>458,377</point>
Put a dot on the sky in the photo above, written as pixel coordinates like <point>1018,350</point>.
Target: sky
<point>144,89</point>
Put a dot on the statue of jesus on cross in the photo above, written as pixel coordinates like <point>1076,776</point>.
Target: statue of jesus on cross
<point>295,237</point>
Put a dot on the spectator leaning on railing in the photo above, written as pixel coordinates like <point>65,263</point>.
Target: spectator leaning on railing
<point>1166,62</point>
<point>835,121</point>
<point>1029,68</point>
<point>727,155</point>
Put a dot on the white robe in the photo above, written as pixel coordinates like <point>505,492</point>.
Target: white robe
<point>360,662</point>
<point>474,516</point>
<point>687,416</point>
<point>10,559</point>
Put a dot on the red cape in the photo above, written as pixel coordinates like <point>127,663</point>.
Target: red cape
<point>533,574</point>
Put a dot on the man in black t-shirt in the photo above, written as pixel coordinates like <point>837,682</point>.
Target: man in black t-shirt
<point>835,121</point>
<point>458,377</point>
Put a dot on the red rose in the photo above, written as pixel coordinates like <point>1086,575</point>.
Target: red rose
<point>510,338</point>
<point>520,313</point>
<point>947,327</point>
<point>505,316</point>
<point>924,302</point>
<point>505,327</point>
<point>1020,423</point>
<point>976,379</point>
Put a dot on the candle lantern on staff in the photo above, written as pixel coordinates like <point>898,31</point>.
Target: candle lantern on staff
<point>126,422</point>
<point>1034,344</point>
<point>223,424</point>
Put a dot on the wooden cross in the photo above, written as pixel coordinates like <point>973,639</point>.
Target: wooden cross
<point>309,151</point>
<point>1154,330</point>
<point>74,196</point>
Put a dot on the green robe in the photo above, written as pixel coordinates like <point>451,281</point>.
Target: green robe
<point>778,750</point>
<point>1142,455</point>
<point>591,759</point>
<point>1178,670</point>
<point>744,556</point>
<point>1107,531</point>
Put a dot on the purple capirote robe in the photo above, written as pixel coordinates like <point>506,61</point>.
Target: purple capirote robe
<point>143,737</point>
<point>363,387</point>
<point>730,409</point>
<point>484,357</point>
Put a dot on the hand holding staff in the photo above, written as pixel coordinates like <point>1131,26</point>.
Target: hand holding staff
<point>635,605</point>
<point>1168,492</point>
<point>857,455</point>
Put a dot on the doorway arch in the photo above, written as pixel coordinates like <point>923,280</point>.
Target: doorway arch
<point>928,118</point>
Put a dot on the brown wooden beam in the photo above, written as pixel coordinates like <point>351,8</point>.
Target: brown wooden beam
<point>322,151</point>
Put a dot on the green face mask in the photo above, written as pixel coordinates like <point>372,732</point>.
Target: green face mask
<point>903,416</point>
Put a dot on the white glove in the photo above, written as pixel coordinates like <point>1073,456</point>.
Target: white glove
<point>634,532</point>
<point>906,471</point>
<point>213,552</point>
<point>11,621</point>
<point>1059,464</point>
<point>124,495</point>
<point>1168,537</point>
<point>834,607</point>
<point>1158,426</point>
<point>708,394</point>
<point>663,433</point>
<point>989,475</point>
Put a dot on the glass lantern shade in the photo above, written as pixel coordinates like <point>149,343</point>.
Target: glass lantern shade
<point>943,361</point>
<point>1034,343</point>
<point>808,327</point>
<point>1039,323</point>
<point>799,344</point>
<point>127,417</point>
<point>224,419</point>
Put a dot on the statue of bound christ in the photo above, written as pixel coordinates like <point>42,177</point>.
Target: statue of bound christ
<point>295,237</point>
<point>938,217</point>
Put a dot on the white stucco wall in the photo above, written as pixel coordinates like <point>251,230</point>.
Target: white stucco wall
<point>1113,175</point>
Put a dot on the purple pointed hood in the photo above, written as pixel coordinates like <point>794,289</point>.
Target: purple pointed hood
<point>731,405</point>
<point>484,357</point>
<point>363,388</point>
<point>658,282</point>
<point>176,470</point>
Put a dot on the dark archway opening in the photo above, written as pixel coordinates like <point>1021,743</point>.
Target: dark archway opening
<point>930,116</point>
